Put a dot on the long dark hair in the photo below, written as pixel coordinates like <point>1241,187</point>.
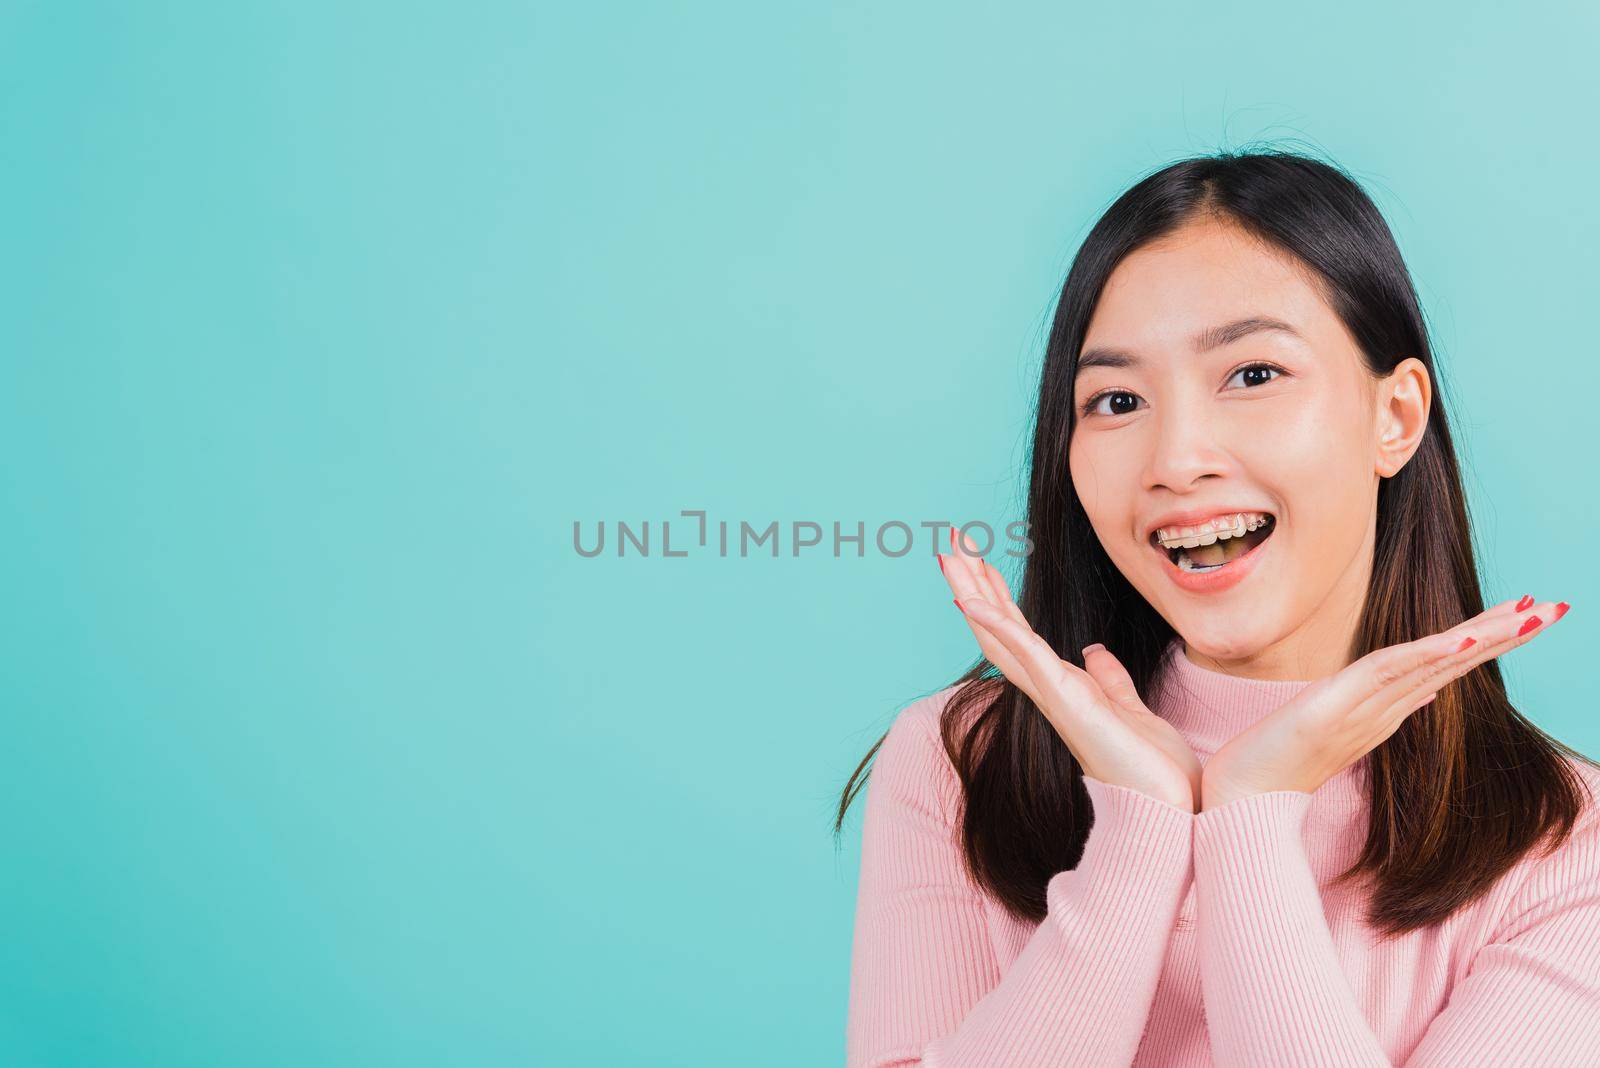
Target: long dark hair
<point>1495,784</point>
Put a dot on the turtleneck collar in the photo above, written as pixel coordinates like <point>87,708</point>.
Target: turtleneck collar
<point>1210,707</point>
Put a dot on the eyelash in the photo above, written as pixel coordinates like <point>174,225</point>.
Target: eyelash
<point>1088,406</point>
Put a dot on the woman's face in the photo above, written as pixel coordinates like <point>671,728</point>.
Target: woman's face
<point>1189,426</point>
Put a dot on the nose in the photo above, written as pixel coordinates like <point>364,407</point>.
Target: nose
<point>1184,447</point>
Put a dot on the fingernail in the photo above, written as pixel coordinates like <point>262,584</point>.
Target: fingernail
<point>940,557</point>
<point>958,605</point>
<point>1466,643</point>
<point>1529,624</point>
<point>1524,604</point>
<point>1087,649</point>
<point>1561,609</point>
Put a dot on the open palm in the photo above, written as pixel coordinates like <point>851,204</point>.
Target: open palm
<point>1096,709</point>
<point>1337,720</point>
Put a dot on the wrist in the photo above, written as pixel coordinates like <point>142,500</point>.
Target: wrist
<point>1218,787</point>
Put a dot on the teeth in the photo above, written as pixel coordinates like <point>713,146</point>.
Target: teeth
<point>1212,530</point>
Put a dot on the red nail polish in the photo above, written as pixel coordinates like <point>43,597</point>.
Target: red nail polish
<point>1466,643</point>
<point>1561,609</point>
<point>958,605</point>
<point>1529,624</point>
<point>1524,604</point>
<point>940,558</point>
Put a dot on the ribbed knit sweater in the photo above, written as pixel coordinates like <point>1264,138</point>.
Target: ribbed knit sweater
<point>1209,938</point>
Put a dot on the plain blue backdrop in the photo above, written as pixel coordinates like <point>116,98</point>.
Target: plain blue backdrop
<point>322,323</point>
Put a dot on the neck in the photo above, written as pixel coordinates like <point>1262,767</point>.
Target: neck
<point>1209,707</point>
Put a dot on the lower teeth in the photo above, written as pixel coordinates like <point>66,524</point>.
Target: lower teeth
<point>1234,548</point>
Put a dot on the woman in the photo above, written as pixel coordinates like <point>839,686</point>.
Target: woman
<point>1281,812</point>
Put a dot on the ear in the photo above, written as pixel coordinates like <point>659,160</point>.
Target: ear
<point>1403,402</point>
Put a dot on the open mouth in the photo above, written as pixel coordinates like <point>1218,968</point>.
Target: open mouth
<point>1218,554</point>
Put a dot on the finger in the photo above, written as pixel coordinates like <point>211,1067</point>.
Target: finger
<point>961,562</point>
<point>1048,672</point>
<point>1104,667</point>
<point>986,579</point>
<point>995,648</point>
<point>1002,592</point>
<point>958,572</point>
<point>1392,680</point>
<point>1504,608</point>
<point>999,594</point>
<point>966,551</point>
<point>1036,673</point>
<point>997,653</point>
<point>1445,650</point>
<point>1407,674</point>
<point>1505,632</point>
<point>968,587</point>
<point>1508,605</point>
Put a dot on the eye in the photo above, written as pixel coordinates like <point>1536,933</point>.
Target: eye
<point>1259,367</point>
<point>1089,405</point>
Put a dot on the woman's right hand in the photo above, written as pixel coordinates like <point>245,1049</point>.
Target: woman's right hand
<point>1097,712</point>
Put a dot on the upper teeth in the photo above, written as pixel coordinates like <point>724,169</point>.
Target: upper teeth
<point>1215,529</point>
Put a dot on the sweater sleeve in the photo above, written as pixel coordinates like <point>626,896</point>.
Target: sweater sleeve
<point>925,985</point>
<point>1275,994</point>
<point>1273,988</point>
<point>1532,995</point>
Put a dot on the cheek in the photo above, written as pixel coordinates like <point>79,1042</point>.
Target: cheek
<point>1322,469</point>
<point>1104,479</point>
<point>1094,479</point>
<point>1080,466</point>
<point>1318,456</point>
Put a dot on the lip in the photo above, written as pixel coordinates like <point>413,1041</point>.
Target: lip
<point>1225,577</point>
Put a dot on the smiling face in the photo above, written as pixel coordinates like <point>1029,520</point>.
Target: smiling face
<point>1278,414</point>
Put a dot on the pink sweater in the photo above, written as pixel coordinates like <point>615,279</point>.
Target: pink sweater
<point>1183,939</point>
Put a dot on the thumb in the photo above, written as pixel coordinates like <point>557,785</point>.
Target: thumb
<point>1104,667</point>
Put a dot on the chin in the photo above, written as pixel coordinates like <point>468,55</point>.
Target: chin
<point>1224,643</point>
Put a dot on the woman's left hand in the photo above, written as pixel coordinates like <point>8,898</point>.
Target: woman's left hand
<point>1338,720</point>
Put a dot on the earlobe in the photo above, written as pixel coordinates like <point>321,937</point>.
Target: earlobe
<point>1405,399</point>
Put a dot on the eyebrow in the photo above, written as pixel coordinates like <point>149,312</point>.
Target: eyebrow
<point>1204,341</point>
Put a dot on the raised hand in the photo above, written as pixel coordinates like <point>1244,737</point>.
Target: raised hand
<point>1096,712</point>
<point>1337,720</point>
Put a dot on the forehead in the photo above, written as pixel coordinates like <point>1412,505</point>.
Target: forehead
<point>1205,273</point>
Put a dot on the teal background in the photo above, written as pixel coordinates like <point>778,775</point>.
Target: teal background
<point>321,323</point>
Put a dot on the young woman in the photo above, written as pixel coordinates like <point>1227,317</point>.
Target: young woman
<point>1281,811</point>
